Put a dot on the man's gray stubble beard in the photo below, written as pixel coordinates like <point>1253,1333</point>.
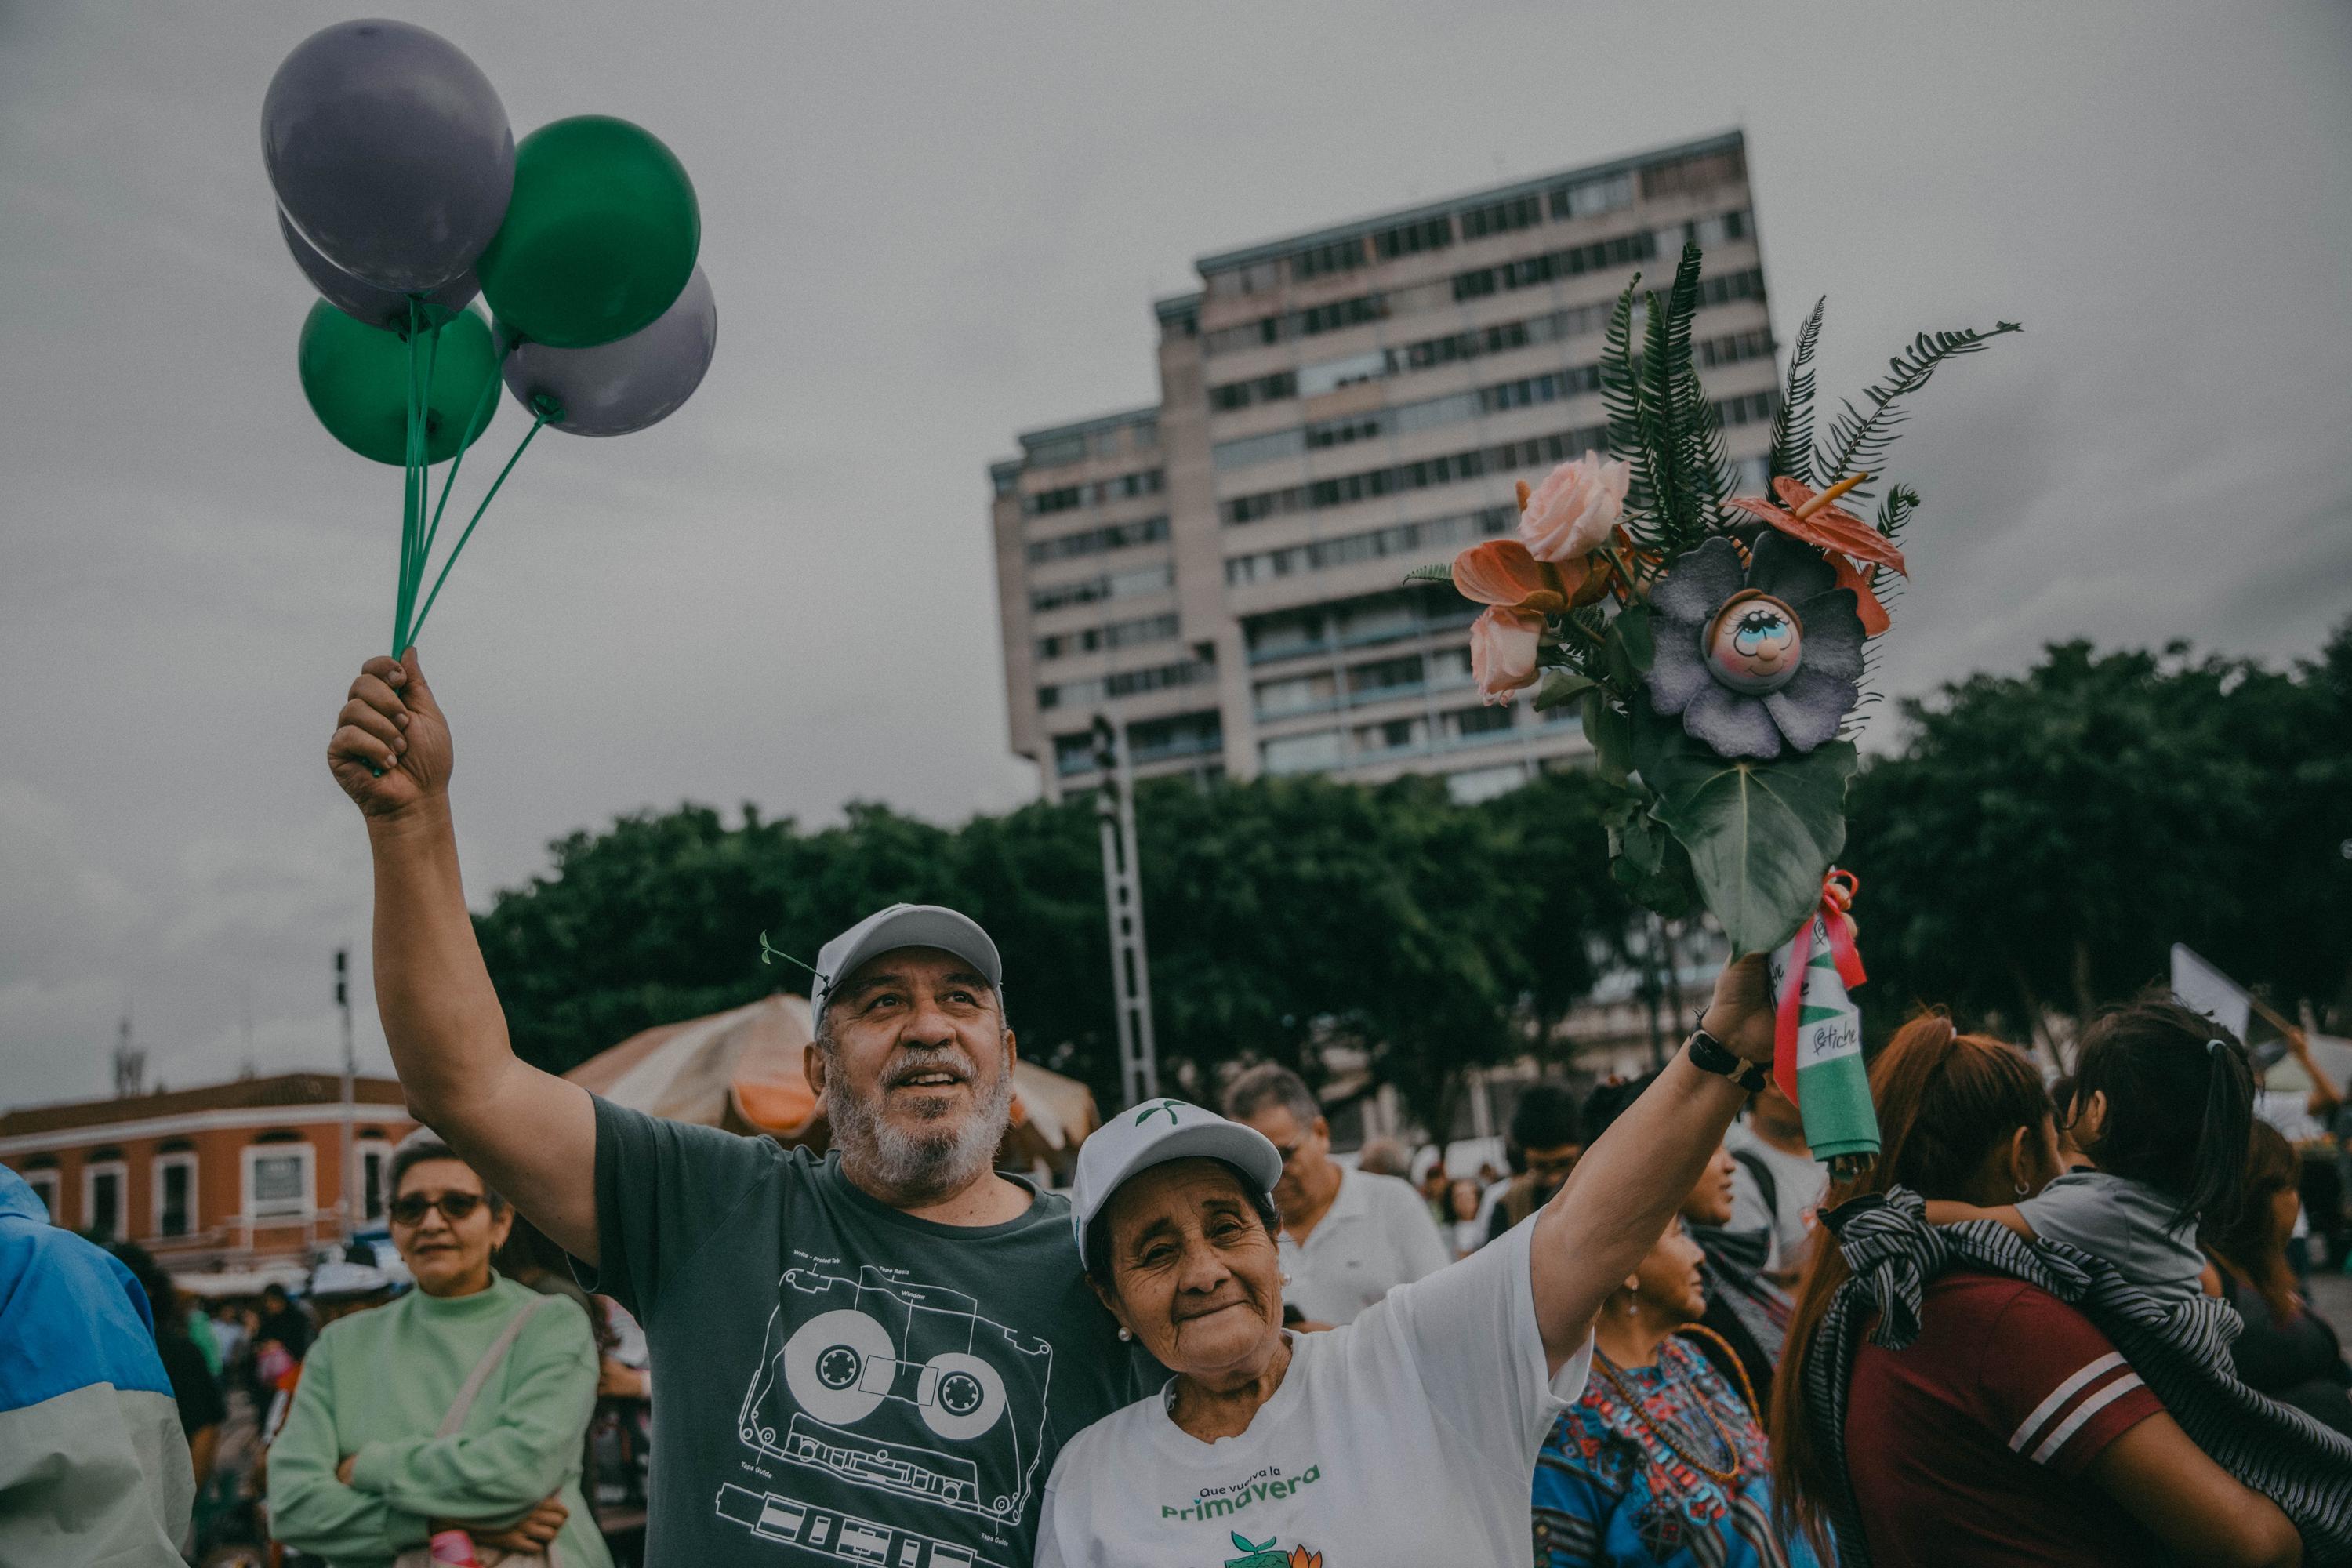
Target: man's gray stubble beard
<point>918,1162</point>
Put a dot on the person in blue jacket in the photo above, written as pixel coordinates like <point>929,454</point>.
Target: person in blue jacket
<point>93,1466</point>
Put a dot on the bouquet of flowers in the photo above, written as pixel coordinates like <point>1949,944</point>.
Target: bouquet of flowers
<point>1717,645</point>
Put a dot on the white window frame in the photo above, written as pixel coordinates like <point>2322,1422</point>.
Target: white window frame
<point>50,1189</point>
<point>363,1150</point>
<point>253,1153</point>
<point>120,1170</point>
<point>178,1159</point>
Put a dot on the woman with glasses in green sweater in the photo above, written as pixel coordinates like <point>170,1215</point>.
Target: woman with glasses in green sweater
<point>459,1406</point>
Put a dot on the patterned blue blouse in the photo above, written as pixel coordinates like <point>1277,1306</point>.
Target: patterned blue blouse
<point>1608,1489</point>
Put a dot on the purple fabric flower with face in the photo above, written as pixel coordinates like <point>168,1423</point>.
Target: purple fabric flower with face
<point>1753,658</point>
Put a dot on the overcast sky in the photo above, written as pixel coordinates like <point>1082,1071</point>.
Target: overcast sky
<point>929,227</point>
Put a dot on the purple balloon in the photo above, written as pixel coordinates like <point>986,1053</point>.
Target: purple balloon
<point>390,153</point>
<point>384,308</point>
<point>626,385</point>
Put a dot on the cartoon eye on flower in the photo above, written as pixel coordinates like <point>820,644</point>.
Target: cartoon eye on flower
<point>1756,657</point>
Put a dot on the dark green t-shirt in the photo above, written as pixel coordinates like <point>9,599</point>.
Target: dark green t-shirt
<point>836,1382</point>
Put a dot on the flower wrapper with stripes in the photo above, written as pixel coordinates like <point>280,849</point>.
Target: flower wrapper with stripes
<point>2179,1350</point>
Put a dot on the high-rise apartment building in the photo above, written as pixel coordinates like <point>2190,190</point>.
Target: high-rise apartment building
<point>1222,572</point>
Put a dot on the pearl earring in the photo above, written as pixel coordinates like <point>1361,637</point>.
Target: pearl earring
<point>1286,1276</point>
<point>1125,1334</point>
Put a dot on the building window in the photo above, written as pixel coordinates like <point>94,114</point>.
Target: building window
<point>1372,544</point>
<point>1451,469</point>
<point>1376,740</point>
<point>1331,375</point>
<point>1501,218</point>
<point>1587,199</point>
<point>375,1160</point>
<point>175,1194</point>
<point>1464,722</point>
<point>1298,694</point>
<point>1600,256</point>
<point>280,1183</point>
<point>1117,633</point>
<point>1302,754</point>
<point>102,1184</point>
<point>1127,585</point>
<point>1696,174</point>
<point>1125,683</point>
<point>1321,260</point>
<point>1271,388</point>
<point>1066,498</point>
<point>1411,238</point>
<point>45,1187</point>
<point>1095,541</point>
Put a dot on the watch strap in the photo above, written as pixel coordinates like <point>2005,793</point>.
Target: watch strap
<point>1710,1054</point>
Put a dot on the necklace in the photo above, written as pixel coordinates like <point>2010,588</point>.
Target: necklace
<point>1669,1431</point>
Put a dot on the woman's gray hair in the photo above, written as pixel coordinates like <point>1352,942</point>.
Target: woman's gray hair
<point>426,1144</point>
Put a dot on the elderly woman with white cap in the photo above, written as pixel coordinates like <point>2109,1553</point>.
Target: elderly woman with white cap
<point>1408,1437</point>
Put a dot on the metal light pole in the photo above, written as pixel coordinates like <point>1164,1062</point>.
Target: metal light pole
<point>1130,965</point>
<point>343,1000</point>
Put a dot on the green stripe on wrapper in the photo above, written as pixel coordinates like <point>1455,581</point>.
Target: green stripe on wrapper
<point>1819,1038</point>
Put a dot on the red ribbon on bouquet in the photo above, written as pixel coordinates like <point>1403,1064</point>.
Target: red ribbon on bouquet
<point>1836,920</point>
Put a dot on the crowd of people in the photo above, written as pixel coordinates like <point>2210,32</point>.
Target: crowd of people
<point>2054,1323</point>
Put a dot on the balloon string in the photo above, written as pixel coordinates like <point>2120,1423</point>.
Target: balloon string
<point>405,587</point>
<point>416,630</point>
<point>473,428</point>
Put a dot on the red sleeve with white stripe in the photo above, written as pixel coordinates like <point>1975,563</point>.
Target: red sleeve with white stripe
<point>2057,1386</point>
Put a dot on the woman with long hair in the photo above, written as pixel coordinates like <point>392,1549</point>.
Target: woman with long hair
<point>2010,1429</point>
<point>2287,1351</point>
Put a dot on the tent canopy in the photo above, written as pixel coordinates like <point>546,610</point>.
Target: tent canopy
<point>742,1069</point>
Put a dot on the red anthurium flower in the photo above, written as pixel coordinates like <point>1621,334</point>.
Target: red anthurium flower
<point>1502,571</point>
<point>1850,541</point>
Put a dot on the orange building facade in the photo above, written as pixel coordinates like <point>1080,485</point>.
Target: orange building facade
<point>231,1176</point>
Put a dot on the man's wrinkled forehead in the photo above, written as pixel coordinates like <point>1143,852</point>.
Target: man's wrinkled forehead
<point>899,966</point>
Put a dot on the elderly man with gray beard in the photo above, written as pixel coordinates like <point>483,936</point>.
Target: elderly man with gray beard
<point>871,1357</point>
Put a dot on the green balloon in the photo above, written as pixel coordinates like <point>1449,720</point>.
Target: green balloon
<point>599,239</point>
<point>356,377</point>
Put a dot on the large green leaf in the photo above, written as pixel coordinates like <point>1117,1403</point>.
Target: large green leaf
<point>1760,835</point>
<point>1562,686</point>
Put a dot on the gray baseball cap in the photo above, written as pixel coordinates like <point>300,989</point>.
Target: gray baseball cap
<point>1153,1133</point>
<point>902,925</point>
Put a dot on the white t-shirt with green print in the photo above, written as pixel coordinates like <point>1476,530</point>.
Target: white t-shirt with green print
<point>1407,1436</point>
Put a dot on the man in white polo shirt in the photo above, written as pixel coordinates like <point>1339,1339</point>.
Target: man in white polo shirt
<point>1348,1237</point>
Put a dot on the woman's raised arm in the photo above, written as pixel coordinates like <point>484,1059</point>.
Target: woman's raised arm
<point>1615,1204</point>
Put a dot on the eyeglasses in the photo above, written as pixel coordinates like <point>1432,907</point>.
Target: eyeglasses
<point>454,1206</point>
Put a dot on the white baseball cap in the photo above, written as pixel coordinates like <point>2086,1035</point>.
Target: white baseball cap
<point>1153,1133</point>
<point>903,925</point>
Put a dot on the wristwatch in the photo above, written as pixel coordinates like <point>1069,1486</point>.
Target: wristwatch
<point>1710,1054</point>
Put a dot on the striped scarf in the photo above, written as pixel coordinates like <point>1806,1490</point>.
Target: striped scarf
<point>2180,1350</point>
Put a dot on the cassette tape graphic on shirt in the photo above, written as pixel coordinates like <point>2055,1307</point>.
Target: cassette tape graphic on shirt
<point>901,1387</point>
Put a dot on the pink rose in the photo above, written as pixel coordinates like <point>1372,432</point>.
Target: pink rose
<point>1570,513</point>
<point>1502,644</point>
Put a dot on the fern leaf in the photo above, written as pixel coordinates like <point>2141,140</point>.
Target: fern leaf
<point>1620,397</point>
<point>1858,440</point>
<point>1792,426</point>
<point>1896,510</point>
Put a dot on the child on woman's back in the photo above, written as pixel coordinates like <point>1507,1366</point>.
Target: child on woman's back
<point>2162,1107</point>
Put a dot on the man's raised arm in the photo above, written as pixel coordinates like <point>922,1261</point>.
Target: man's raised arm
<point>531,1135</point>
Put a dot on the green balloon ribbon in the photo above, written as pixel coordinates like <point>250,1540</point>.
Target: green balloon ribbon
<point>420,516</point>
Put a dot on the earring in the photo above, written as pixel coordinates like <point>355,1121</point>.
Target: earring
<point>1286,1276</point>
<point>1125,1332</point>
<point>2022,1190</point>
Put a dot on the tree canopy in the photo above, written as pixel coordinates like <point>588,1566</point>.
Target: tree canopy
<point>1285,917</point>
<point>2034,847</point>
<point>2041,840</point>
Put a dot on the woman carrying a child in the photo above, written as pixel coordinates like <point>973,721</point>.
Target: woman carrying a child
<point>2010,1429</point>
